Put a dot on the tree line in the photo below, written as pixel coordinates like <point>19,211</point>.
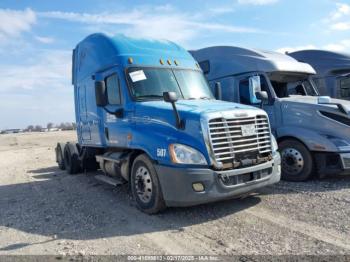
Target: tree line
<point>50,126</point>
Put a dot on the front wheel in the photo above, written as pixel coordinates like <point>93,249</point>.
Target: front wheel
<point>297,162</point>
<point>145,186</point>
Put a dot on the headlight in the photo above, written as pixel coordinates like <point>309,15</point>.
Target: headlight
<point>182,154</point>
<point>341,144</point>
<point>274,143</point>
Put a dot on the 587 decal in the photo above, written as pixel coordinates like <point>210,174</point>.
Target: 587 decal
<point>161,152</point>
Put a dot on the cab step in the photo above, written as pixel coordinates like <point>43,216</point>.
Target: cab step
<point>110,180</point>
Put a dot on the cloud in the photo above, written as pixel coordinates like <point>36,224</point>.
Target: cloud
<point>341,11</point>
<point>341,26</point>
<point>15,22</point>
<point>38,90</point>
<point>148,21</point>
<point>341,46</point>
<point>44,70</point>
<point>339,19</point>
<point>257,2</point>
<point>45,40</point>
<point>219,10</point>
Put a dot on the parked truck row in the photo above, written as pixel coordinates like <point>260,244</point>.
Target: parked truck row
<point>147,115</point>
<point>313,132</point>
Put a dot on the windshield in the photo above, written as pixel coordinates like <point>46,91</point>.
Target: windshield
<point>303,88</point>
<point>345,87</point>
<point>290,87</point>
<point>151,83</point>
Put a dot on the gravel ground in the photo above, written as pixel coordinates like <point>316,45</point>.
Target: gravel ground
<point>45,211</point>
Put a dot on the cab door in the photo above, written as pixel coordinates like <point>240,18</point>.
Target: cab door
<point>115,125</point>
<point>84,127</point>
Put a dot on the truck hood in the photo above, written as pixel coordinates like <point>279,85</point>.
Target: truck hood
<point>192,107</point>
<point>191,111</point>
<point>314,101</point>
<point>157,120</point>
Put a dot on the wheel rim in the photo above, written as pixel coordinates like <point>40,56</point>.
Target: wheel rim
<point>143,184</point>
<point>292,161</point>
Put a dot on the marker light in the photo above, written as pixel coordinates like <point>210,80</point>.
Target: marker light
<point>176,62</point>
<point>169,62</point>
<point>130,60</point>
<point>161,61</point>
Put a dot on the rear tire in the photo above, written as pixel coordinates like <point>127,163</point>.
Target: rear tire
<point>60,158</point>
<point>71,159</point>
<point>297,161</point>
<point>145,186</point>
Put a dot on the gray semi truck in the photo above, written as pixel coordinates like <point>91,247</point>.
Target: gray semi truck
<point>332,71</point>
<point>313,132</point>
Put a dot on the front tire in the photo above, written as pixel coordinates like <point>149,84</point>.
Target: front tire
<point>145,186</point>
<point>297,161</point>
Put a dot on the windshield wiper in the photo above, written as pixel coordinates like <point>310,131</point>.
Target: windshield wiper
<point>150,96</point>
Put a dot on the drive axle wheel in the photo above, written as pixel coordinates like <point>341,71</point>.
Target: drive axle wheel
<point>71,159</point>
<point>297,162</point>
<point>59,157</point>
<point>145,186</point>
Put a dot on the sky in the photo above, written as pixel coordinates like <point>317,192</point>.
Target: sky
<point>37,38</point>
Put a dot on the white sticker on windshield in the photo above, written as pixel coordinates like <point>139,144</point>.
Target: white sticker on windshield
<point>137,76</point>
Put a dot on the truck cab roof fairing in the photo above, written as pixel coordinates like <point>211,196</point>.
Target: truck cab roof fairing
<point>324,62</point>
<point>227,60</point>
<point>98,52</point>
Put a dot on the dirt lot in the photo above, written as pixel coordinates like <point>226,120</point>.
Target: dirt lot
<point>45,211</point>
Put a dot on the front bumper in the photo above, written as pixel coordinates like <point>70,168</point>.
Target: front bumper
<point>332,163</point>
<point>177,183</point>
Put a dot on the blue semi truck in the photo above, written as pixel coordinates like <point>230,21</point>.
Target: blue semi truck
<point>146,115</point>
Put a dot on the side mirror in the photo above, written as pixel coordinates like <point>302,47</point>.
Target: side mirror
<point>101,93</point>
<point>262,95</point>
<point>218,91</point>
<point>170,97</point>
<point>324,100</point>
<point>254,88</point>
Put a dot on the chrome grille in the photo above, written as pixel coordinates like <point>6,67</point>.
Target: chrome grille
<point>227,139</point>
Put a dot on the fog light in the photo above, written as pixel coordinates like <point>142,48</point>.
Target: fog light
<point>198,187</point>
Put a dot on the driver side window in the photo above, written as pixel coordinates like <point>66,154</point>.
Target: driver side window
<point>113,90</point>
<point>244,95</point>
